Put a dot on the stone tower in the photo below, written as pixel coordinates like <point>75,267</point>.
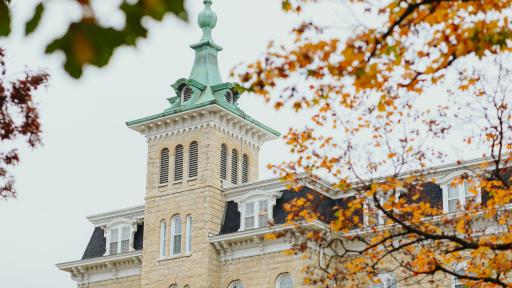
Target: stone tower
<point>200,144</point>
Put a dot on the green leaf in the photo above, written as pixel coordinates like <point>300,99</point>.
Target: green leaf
<point>34,21</point>
<point>86,43</point>
<point>5,18</point>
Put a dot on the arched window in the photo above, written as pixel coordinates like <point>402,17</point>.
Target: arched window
<point>234,166</point>
<point>188,235</point>
<point>193,161</point>
<point>223,162</point>
<point>164,166</point>
<point>386,280</point>
<point>176,235</point>
<point>236,284</point>
<point>186,94</point>
<point>229,96</point>
<point>173,286</point>
<point>284,281</point>
<point>163,235</point>
<point>178,163</point>
<point>245,168</point>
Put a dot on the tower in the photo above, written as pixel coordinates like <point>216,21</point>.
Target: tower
<point>197,146</point>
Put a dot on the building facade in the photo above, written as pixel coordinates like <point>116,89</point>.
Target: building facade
<point>205,210</point>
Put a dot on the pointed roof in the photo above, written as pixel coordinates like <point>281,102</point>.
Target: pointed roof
<point>204,86</point>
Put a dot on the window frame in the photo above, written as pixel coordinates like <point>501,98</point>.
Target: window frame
<point>175,221</point>
<point>120,228</point>
<point>236,284</point>
<point>463,192</point>
<point>179,163</point>
<point>384,278</point>
<point>234,166</point>
<point>164,166</point>
<point>281,278</point>
<point>256,200</point>
<point>163,239</point>
<point>188,234</point>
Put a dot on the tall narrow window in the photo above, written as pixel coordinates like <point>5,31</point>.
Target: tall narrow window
<point>114,236</point>
<point>163,232</point>
<point>164,166</point>
<point>178,163</point>
<point>228,96</point>
<point>262,213</point>
<point>193,161</point>
<point>245,168</point>
<point>125,239</point>
<point>176,235</point>
<point>188,244</point>
<point>249,215</point>
<point>234,166</point>
<point>458,196</point>
<point>223,162</point>
<point>186,94</point>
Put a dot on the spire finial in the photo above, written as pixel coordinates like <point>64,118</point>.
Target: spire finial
<point>207,20</point>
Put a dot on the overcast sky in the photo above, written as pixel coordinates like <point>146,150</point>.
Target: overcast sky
<point>91,162</point>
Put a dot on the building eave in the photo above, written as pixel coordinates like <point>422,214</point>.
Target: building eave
<point>136,212</point>
<point>68,266</point>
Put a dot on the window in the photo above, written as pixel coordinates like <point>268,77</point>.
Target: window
<point>256,214</point>
<point>164,166</point>
<point>186,94</point>
<point>193,159</point>
<point>163,231</point>
<point>456,281</point>
<point>458,196</point>
<point>234,166</point>
<point>386,280</point>
<point>284,281</point>
<point>119,240</point>
<point>236,284</point>
<point>178,163</point>
<point>176,235</point>
<point>228,96</point>
<point>223,162</point>
<point>245,168</point>
<point>188,244</point>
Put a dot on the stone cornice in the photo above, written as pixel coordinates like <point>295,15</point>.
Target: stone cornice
<point>130,256</point>
<point>277,184</point>
<point>132,214</point>
<point>209,116</point>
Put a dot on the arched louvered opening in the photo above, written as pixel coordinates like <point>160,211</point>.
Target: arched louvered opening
<point>193,161</point>
<point>229,96</point>
<point>164,166</point>
<point>223,162</point>
<point>186,94</point>
<point>234,166</point>
<point>245,168</point>
<point>178,163</point>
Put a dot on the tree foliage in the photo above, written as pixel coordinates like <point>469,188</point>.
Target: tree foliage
<point>87,41</point>
<point>388,102</point>
<point>19,120</point>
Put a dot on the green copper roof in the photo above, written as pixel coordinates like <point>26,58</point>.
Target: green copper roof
<point>204,86</point>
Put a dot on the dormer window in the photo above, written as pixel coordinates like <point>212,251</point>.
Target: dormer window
<point>119,240</point>
<point>255,212</point>
<point>186,94</point>
<point>457,196</point>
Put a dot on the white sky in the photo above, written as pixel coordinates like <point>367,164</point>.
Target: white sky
<point>91,162</point>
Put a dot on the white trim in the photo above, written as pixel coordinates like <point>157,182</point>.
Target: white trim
<point>212,116</point>
<point>188,234</point>
<point>130,214</point>
<point>174,233</point>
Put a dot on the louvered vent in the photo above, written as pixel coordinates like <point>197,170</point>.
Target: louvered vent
<point>223,162</point>
<point>164,166</point>
<point>234,166</point>
<point>178,163</point>
<point>193,160</point>
<point>186,94</point>
<point>245,168</point>
<point>228,96</point>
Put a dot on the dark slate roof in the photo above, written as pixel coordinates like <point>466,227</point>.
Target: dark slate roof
<point>97,243</point>
<point>326,207</point>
